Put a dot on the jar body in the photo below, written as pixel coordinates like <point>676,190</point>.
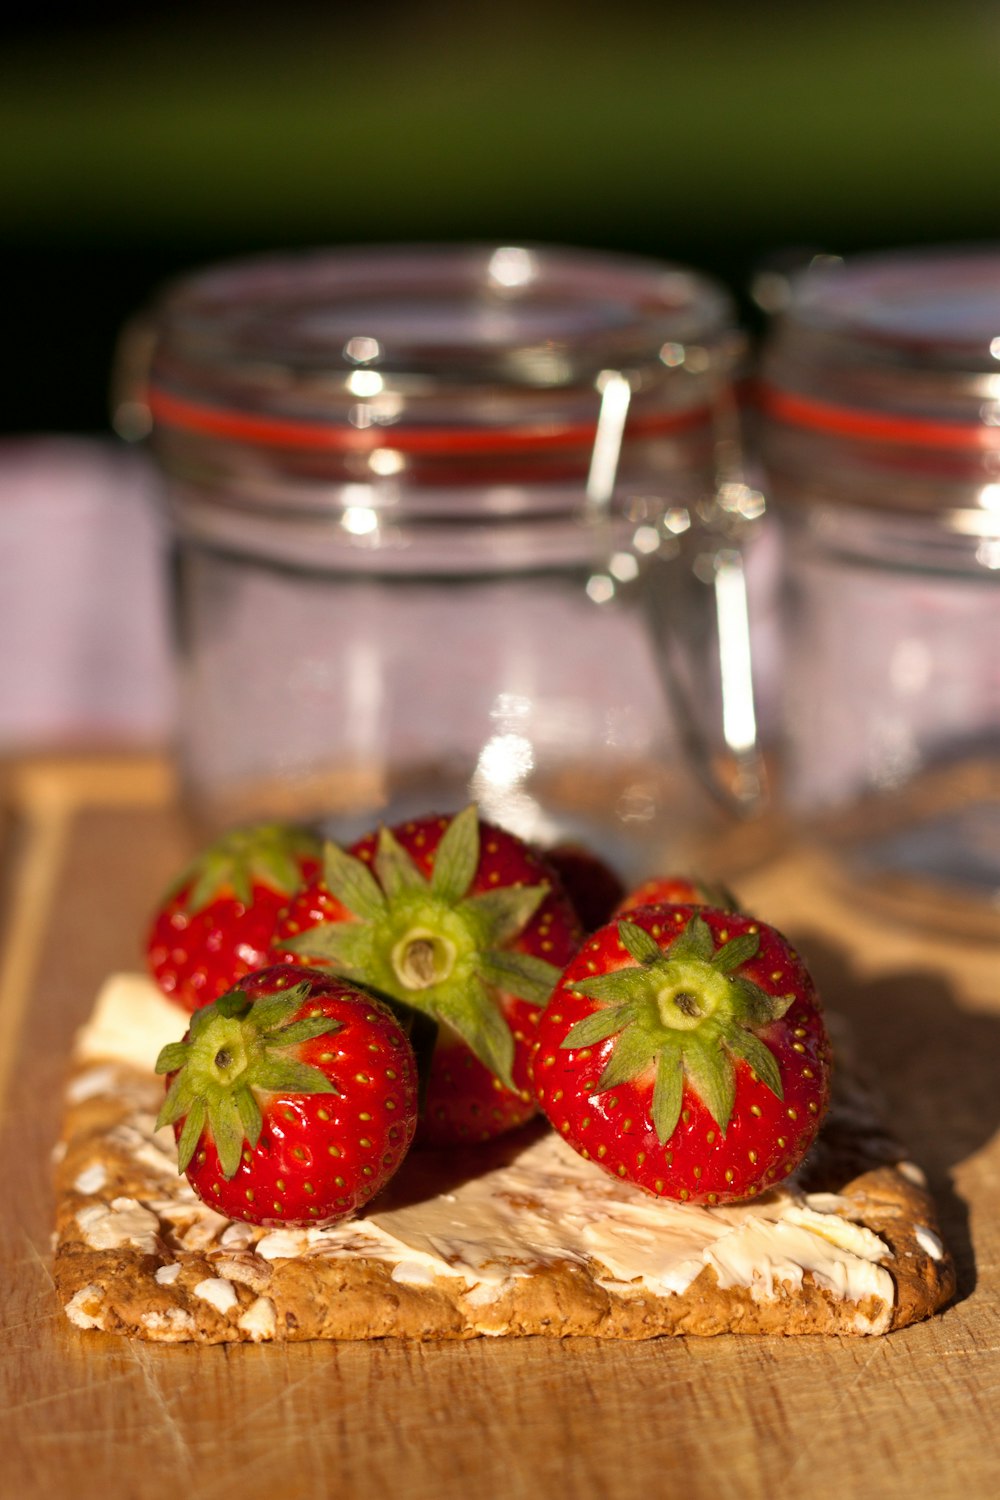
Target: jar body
<point>880,447</point>
<point>399,585</point>
<point>348,694</point>
<point>892,701</point>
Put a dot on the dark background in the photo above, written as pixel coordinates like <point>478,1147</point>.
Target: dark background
<point>136,142</point>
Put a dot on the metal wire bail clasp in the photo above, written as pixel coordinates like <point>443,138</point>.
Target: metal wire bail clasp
<point>695,597</point>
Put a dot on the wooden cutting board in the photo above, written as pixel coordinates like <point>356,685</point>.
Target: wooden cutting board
<point>85,848</point>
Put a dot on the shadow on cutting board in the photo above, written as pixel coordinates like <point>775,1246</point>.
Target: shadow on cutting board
<point>936,1066</point>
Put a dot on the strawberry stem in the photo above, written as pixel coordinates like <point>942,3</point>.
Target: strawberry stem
<point>687,1011</point>
<point>432,943</point>
<point>270,853</point>
<point>235,1050</point>
<point>423,958</point>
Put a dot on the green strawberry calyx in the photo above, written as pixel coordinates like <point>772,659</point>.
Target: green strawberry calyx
<point>685,1011</point>
<point>430,942</point>
<point>236,1049</point>
<point>716,895</point>
<point>265,853</point>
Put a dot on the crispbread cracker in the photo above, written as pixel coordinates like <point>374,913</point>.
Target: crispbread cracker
<point>518,1237</point>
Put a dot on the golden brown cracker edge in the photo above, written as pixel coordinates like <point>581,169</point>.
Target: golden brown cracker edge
<point>136,1254</point>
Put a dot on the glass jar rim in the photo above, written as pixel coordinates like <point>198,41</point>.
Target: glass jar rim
<point>919,304</point>
<point>899,347</point>
<point>450,346</point>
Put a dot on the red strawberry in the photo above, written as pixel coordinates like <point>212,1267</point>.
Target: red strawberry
<point>293,1098</point>
<point>674,890</point>
<point>684,1049</point>
<point>216,923</point>
<point>467,924</point>
<point>590,883</point>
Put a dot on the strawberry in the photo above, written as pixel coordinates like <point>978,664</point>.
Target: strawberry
<point>216,923</point>
<point>293,1098</point>
<point>462,921</point>
<point>591,885</point>
<point>676,890</point>
<point>684,1050</point>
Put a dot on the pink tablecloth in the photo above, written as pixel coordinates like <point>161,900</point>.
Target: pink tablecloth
<point>84,650</point>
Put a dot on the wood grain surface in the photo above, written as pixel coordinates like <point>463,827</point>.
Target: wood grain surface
<point>86,849</point>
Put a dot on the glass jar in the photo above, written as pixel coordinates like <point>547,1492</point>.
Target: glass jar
<point>425,502</point>
<point>880,396</point>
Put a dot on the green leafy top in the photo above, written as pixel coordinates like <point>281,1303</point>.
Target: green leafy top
<point>430,943</point>
<point>685,1011</point>
<point>234,1049</point>
<point>270,853</point>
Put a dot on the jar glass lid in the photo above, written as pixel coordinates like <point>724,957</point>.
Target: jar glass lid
<point>880,385</point>
<point>442,310</point>
<point>281,350</point>
<point>914,335</point>
<point>937,308</point>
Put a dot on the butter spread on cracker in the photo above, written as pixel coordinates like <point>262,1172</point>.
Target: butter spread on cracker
<point>537,1203</point>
